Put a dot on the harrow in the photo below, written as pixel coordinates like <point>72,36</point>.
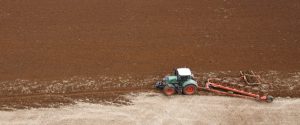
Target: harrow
<point>230,90</point>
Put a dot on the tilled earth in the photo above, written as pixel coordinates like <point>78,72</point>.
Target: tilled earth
<point>54,52</point>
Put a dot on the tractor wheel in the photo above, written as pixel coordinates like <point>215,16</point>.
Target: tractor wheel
<point>169,90</point>
<point>189,90</point>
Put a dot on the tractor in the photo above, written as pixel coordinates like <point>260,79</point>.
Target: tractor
<point>181,81</point>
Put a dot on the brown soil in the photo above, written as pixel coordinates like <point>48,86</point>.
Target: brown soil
<point>46,40</point>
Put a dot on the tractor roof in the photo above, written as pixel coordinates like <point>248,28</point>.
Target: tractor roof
<point>184,71</point>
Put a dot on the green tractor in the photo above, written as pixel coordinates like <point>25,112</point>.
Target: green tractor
<point>181,82</point>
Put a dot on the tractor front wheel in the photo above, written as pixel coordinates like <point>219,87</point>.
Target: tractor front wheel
<point>189,90</point>
<point>169,90</point>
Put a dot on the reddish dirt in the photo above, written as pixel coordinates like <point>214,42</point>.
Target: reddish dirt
<point>45,40</point>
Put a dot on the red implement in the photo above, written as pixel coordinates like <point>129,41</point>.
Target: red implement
<point>223,89</point>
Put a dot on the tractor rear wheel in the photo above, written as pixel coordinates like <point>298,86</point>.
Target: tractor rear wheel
<point>189,90</point>
<point>169,90</point>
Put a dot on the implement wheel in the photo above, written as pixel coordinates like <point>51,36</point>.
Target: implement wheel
<point>270,99</point>
<point>169,90</point>
<point>189,90</point>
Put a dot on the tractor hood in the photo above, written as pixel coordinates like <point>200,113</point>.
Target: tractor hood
<point>170,79</point>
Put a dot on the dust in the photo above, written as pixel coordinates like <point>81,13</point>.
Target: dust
<point>157,109</point>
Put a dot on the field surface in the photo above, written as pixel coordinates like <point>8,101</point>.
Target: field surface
<point>60,52</point>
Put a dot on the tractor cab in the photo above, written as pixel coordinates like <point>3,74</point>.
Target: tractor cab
<point>183,74</point>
